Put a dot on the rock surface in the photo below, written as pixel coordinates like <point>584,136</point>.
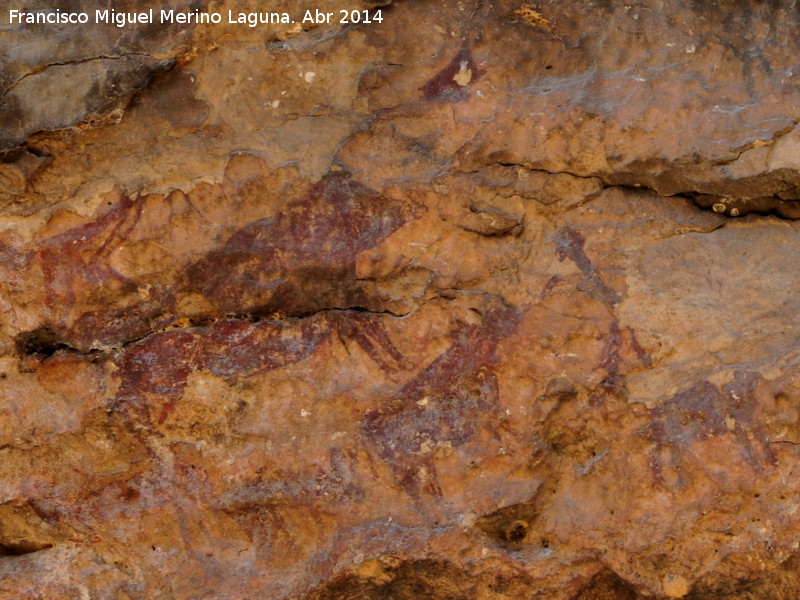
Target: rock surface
<point>482,301</point>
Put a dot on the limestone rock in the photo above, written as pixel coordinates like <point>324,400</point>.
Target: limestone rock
<point>481,301</point>
<point>61,74</point>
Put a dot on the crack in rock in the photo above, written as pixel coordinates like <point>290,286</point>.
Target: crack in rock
<point>62,94</point>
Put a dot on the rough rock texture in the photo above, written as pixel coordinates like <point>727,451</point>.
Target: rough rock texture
<point>61,75</point>
<point>485,301</point>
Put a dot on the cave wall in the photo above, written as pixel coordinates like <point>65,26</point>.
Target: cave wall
<point>486,300</point>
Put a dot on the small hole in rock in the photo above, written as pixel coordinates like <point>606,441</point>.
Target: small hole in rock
<point>42,341</point>
<point>517,531</point>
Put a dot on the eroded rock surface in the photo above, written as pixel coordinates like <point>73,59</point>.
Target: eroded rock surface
<point>484,301</point>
